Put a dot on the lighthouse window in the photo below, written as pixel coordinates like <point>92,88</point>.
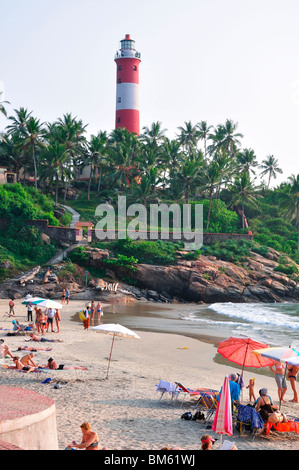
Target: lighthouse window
<point>119,80</point>
<point>118,120</point>
<point>119,100</point>
<point>135,67</point>
<point>119,67</point>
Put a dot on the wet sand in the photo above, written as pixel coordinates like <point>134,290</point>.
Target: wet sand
<point>125,409</point>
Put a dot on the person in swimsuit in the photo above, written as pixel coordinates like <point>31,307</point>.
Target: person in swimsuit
<point>63,296</point>
<point>20,366</point>
<point>90,440</point>
<point>280,378</point>
<point>267,410</point>
<point>264,404</point>
<point>292,376</point>
<point>54,366</point>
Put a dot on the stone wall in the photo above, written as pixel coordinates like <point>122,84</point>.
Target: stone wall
<point>68,234</point>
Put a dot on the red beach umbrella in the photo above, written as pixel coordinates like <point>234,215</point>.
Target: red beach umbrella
<point>222,423</point>
<point>240,351</point>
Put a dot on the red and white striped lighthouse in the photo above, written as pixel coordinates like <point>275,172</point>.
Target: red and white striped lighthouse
<point>127,86</point>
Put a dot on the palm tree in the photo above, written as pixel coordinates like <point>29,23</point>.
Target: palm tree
<point>243,193</point>
<point>189,136</point>
<point>210,180</point>
<point>247,160</point>
<point>291,203</point>
<point>96,149</point>
<point>10,152</point>
<point>203,134</point>
<point>226,138</point>
<point>270,167</point>
<point>54,165</point>
<point>33,141</point>
<point>2,103</point>
<point>154,135</point>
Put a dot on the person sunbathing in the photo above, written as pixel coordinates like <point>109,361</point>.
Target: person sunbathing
<point>27,360</point>
<point>20,366</point>
<point>54,366</point>
<point>34,337</point>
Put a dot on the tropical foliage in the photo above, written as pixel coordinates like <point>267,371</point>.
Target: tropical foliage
<point>203,163</point>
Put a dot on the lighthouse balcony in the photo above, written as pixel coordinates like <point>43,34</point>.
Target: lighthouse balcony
<point>131,54</point>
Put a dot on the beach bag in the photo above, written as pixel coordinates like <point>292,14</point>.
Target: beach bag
<point>198,415</point>
<point>187,416</point>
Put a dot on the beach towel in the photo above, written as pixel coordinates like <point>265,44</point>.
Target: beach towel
<point>247,414</point>
<point>289,426</point>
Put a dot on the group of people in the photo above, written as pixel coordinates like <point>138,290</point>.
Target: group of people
<point>90,311</point>
<point>45,320</point>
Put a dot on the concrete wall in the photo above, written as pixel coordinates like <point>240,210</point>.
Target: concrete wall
<point>32,432</point>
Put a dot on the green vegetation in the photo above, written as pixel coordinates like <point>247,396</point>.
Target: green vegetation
<point>202,164</point>
<point>21,248</point>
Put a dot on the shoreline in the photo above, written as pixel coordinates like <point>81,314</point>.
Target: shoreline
<point>125,409</point>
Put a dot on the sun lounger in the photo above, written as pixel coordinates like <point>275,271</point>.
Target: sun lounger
<point>166,387</point>
<point>198,393</point>
<point>208,401</point>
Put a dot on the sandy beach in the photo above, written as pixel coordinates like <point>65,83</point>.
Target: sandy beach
<point>125,409</point>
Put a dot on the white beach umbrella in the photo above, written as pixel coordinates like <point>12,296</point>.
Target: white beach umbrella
<point>47,303</point>
<point>115,329</point>
<point>30,299</point>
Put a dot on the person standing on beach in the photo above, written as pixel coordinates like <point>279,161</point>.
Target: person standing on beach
<point>92,311</point>
<point>292,376</point>
<point>29,312</point>
<point>87,318</point>
<point>11,307</point>
<point>67,296</point>
<point>57,319</point>
<point>280,378</point>
<point>50,317</point>
<point>99,311</point>
<point>63,296</point>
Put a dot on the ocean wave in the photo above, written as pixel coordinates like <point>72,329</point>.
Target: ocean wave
<point>263,314</point>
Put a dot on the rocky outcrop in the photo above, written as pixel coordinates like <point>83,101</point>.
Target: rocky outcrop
<point>210,280</point>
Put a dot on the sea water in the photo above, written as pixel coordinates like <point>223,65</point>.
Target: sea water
<point>276,324</point>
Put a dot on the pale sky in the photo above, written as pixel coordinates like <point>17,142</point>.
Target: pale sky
<point>201,60</point>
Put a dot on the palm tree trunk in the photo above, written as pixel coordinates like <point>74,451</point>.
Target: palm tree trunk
<point>56,192</point>
<point>243,221</point>
<point>209,211</point>
<point>89,183</point>
<point>35,167</point>
<point>100,179</point>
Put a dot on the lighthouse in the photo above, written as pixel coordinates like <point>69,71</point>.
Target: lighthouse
<point>127,86</point>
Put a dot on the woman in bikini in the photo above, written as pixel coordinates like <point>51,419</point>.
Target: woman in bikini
<point>292,376</point>
<point>90,440</point>
<point>268,412</point>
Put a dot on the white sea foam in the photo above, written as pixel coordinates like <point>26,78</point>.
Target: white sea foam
<point>264,314</point>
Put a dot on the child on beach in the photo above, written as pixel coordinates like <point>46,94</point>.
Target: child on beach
<point>250,386</point>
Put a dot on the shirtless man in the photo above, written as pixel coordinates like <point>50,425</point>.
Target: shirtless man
<point>34,337</point>
<point>20,366</point>
<point>27,360</point>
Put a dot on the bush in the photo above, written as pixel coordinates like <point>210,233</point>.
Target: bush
<point>122,260</point>
<point>18,202</point>
<point>149,252</point>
